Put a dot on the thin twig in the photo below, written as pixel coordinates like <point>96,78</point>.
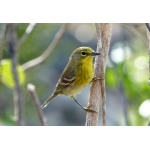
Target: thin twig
<point>37,104</point>
<point>26,34</point>
<point>17,90</point>
<point>3,30</point>
<point>47,52</point>
<point>97,91</point>
<point>121,94</point>
<point>2,40</point>
<point>134,31</point>
<point>120,89</point>
<point>148,44</point>
<point>148,26</point>
<point>124,101</point>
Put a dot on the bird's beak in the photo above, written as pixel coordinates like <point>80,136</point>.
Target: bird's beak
<point>94,54</point>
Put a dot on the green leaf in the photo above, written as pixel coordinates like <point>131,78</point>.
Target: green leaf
<point>6,76</point>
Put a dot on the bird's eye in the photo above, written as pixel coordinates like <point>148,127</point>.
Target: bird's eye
<point>83,53</point>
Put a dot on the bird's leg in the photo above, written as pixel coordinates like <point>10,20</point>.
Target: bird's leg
<point>86,109</point>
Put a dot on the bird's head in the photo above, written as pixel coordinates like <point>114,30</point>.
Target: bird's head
<point>83,53</point>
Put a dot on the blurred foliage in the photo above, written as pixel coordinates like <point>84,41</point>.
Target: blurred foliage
<point>126,75</point>
<point>6,75</point>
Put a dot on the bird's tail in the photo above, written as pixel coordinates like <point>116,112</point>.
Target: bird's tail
<point>48,100</point>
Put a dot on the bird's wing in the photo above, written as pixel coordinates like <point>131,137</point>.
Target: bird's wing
<point>67,78</point>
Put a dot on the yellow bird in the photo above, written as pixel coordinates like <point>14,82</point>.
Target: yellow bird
<point>76,76</point>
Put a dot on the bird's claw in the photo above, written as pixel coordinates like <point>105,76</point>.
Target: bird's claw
<point>89,110</point>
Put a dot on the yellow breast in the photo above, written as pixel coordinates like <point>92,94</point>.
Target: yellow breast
<point>85,72</point>
<point>84,75</point>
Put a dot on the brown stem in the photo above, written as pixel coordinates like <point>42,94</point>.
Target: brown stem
<point>26,34</point>
<point>48,51</point>
<point>37,104</point>
<point>2,40</point>
<point>97,91</point>
<point>148,26</point>
<point>17,90</point>
<point>148,43</point>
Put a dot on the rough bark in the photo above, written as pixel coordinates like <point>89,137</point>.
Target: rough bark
<point>97,91</point>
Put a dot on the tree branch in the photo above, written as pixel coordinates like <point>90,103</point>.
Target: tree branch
<point>148,44</point>
<point>2,40</point>
<point>120,89</point>
<point>17,90</point>
<point>37,104</point>
<point>48,51</point>
<point>97,91</point>
<point>26,34</point>
<point>148,26</point>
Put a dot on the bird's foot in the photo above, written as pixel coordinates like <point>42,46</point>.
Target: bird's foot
<point>96,78</point>
<point>89,110</point>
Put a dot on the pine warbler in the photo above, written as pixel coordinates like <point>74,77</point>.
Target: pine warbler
<point>77,75</point>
